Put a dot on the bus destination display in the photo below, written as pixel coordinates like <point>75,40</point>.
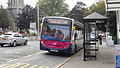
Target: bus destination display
<point>59,21</point>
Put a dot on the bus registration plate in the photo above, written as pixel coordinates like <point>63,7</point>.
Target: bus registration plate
<point>54,50</point>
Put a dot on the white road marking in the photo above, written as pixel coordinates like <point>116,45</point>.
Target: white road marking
<point>12,60</point>
<point>28,56</point>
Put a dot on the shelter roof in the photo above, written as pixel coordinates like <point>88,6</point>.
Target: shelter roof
<point>95,16</point>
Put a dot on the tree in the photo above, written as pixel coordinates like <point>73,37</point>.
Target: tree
<point>52,8</point>
<point>28,15</point>
<point>112,25</point>
<point>4,19</point>
<point>98,7</point>
<point>86,12</point>
<point>77,12</point>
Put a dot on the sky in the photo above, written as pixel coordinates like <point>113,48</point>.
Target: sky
<point>71,3</point>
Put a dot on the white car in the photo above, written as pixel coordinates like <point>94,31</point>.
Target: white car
<point>12,39</point>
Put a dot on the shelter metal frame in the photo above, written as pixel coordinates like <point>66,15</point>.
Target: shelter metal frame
<point>88,42</point>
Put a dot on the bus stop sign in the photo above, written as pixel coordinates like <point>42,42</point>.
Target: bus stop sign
<point>117,56</point>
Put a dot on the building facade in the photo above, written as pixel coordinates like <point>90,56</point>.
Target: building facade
<point>114,5</point>
<point>15,6</point>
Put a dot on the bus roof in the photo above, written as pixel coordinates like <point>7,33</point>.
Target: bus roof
<point>76,23</point>
<point>57,17</point>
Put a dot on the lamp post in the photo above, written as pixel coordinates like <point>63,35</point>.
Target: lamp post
<point>38,19</point>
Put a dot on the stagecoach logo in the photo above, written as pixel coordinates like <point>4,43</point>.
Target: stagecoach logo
<point>54,43</point>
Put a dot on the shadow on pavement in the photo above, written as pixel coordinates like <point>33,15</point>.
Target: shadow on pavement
<point>58,54</point>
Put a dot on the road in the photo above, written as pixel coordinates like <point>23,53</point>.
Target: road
<point>29,56</point>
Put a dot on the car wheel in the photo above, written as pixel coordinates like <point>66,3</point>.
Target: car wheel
<point>25,43</point>
<point>2,45</point>
<point>14,44</point>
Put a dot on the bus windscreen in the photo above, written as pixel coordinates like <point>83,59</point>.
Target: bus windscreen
<point>56,34</point>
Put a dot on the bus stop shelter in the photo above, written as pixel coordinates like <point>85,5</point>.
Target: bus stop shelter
<point>91,49</point>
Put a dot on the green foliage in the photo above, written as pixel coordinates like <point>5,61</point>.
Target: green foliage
<point>28,15</point>
<point>86,12</point>
<point>4,19</point>
<point>112,27</point>
<point>77,12</point>
<point>52,7</point>
<point>98,7</point>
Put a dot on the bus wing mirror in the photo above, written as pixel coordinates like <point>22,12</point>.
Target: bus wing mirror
<point>41,26</point>
<point>73,28</point>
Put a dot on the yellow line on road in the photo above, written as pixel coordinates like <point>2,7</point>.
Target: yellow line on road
<point>12,60</point>
<point>17,65</point>
<point>44,66</point>
<point>1,66</point>
<point>34,66</point>
<point>58,66</point>
<point>26,64</point>
<point>11,65</point>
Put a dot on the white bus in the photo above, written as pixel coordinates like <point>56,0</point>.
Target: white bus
<point>61,34</point>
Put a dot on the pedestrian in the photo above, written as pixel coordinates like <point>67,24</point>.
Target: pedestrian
<point>100,38</point>
<point>75,35</point>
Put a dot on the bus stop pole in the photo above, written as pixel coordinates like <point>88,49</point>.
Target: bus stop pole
<point>84,58</point>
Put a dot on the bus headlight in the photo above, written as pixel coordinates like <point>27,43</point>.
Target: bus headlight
<point>41,42</point>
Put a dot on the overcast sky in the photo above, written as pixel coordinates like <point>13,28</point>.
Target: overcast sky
<point>71,3</point>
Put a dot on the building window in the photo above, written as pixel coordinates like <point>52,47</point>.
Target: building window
<point>14,2</point>
<point>11,2</point>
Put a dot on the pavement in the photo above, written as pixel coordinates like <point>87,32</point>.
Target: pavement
<point>105,59</point>
<point>33,38</point>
